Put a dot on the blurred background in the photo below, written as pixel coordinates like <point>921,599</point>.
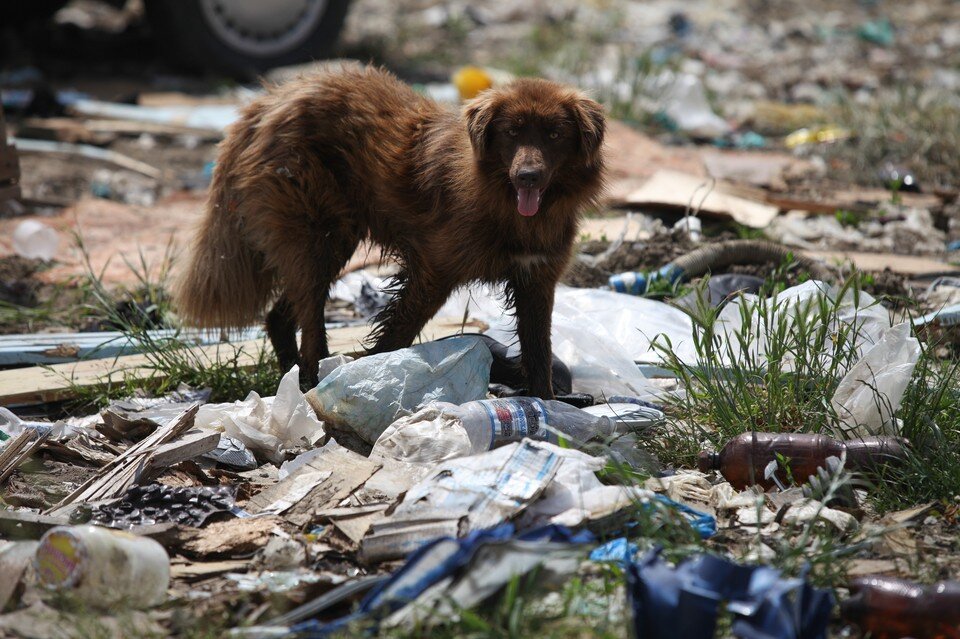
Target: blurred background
<point>827,110</point>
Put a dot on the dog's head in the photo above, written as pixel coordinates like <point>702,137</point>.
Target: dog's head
<point>536,131</point>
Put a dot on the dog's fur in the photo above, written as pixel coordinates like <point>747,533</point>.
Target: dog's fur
<point>321,163</point>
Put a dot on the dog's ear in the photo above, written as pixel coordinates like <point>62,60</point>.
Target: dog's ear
<point>479,114</point>
<point>592,124</point>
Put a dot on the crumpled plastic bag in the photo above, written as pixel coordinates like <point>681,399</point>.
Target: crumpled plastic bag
<point>369,394</point>
<point>684,601</point>
<point>429,436</point>
<point>870,393</point>
<point>684,100</point>
<point>597,334</point>
<point>269,426</point>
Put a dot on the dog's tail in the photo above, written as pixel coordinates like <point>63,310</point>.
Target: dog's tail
<point>224,283</point>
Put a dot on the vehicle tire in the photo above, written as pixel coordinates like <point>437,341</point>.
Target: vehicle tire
<point>245,37</point>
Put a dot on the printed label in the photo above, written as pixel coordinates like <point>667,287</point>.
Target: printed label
<point>513,418</point>
<point>58,559</point>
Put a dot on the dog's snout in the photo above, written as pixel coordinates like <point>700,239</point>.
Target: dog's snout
<point>529,178</point>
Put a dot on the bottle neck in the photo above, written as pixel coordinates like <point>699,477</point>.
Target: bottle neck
<point>707,461</point>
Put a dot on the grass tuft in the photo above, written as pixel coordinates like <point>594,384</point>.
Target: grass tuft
<point>773,365</point>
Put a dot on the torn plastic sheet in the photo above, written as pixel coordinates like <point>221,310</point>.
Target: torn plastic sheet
<point>870,392</point>
<point>231,452</point>
<point>858,315</point>
<point>369,394</point>
<point>270,426</point>
<point>684,601</point>
<point>452,562</point>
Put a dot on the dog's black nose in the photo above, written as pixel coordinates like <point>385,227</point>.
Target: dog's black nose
<point>529,178</point>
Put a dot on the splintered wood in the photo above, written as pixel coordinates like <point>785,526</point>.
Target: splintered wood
<point>113,479</point>
<point>19,449</point>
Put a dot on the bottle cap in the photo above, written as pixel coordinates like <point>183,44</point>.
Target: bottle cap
<point>707,461</point>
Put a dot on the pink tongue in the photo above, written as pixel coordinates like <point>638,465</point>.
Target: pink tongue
<point>528,201</point>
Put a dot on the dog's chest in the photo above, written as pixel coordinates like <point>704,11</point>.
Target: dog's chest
<point>528,260</point>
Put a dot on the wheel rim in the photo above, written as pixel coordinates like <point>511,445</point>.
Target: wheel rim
<point>259,28</point>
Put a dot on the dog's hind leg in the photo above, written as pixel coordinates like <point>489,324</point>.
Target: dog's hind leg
<point>307,270</point>
<point>281,327</point>
<point>418,298</point>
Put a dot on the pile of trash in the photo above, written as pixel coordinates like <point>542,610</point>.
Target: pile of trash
<point>420,482</point>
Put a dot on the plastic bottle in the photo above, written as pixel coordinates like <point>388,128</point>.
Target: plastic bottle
<point>102,567</point>
<point>636,283</point>
<point>805,451</point>
<point>889,608</point>
<point>493,422</point>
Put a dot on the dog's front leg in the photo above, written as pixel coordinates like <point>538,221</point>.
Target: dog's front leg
<point>532,293</point>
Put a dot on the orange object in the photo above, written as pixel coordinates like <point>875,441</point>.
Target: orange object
<point>889,608</point>
<point>470,81</point>
<point>743,460</point>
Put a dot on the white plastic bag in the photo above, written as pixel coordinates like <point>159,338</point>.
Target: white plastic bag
<point>268,426</point>
<point>685,102</point>
<point>870,393</point>
<point>369,394</point>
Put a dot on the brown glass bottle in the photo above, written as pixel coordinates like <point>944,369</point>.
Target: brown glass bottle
<point>805,451</point>
<point>891,608</point>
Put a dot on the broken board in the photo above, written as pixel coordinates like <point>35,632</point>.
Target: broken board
<point>910,265</point>
<point>37,385</point>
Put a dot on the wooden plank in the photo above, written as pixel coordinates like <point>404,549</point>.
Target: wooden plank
<point>913,265</point>
<point>86,152</point>
<point>193,444</point>
<point>37,385</point>
<point>19,524</point>
<point>22,454</point>
<point>59,348</point>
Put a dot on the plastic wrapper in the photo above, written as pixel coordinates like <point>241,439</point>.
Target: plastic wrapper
<point>870,393</point>
<point>369,394</point>
<point>268,426</point>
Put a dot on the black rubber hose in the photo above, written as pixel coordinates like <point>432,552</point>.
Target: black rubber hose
<point>721,254</point>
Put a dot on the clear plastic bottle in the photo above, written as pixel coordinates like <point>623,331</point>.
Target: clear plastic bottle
<point>493,422</point>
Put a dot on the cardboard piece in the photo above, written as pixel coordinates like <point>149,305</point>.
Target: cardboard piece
<point>678,191</point>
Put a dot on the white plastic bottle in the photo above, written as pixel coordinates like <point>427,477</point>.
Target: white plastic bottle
<point>102,567</point>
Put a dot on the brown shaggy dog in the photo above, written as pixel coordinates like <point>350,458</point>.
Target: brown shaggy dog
<point>319,164</point>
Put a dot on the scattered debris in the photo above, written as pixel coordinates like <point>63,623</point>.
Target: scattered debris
<point>703,197</point>
<point>133,465</point>
<point>414,487</point>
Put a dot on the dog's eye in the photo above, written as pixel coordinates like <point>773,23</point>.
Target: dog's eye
<point>512,133</point>
<point>554,135</point>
